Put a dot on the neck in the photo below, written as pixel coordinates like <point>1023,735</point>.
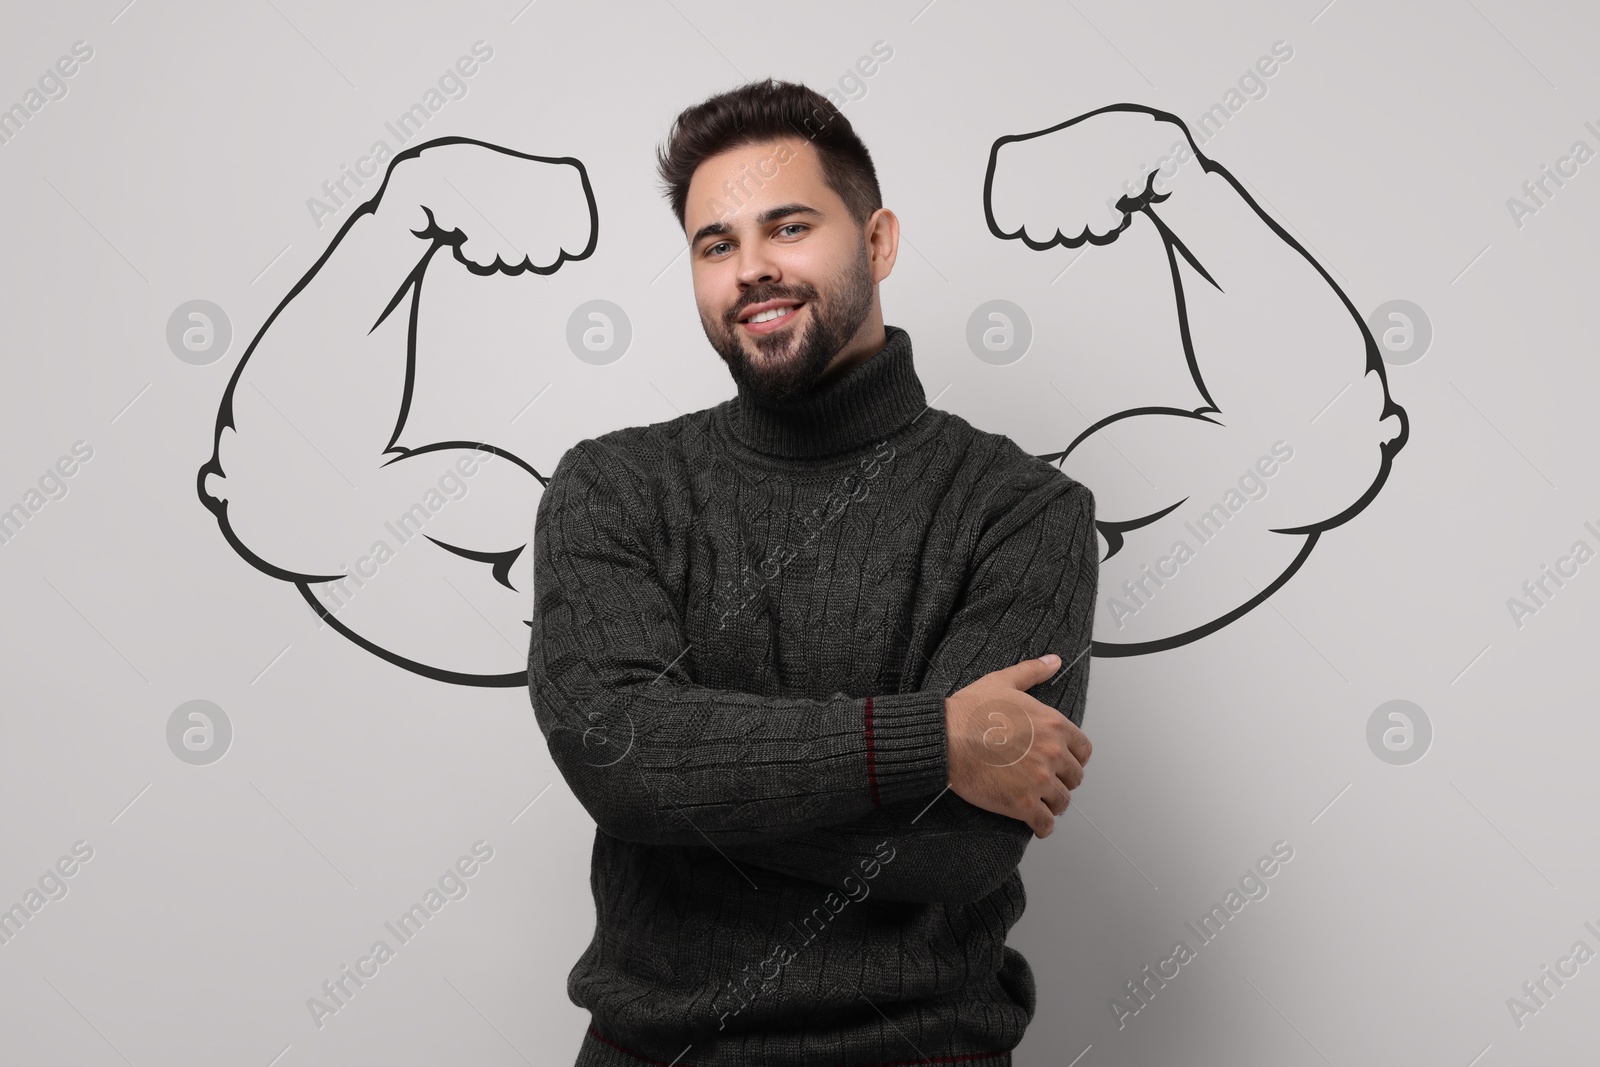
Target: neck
<point>869,400</point>
<point>867,342</point>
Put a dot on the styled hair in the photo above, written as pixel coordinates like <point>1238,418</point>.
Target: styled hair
<point>763,111</point>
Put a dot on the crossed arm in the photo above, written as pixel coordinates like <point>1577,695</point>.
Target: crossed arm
<point>807,787</point>
<point>1033,592</point>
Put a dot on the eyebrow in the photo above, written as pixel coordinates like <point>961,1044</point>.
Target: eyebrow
<point>772,214</point>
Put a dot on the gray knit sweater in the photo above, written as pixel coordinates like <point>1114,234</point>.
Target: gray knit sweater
<point>746,621</point>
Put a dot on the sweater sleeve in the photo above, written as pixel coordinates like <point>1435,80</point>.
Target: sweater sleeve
<point>1032,593</point>
<point>652,756</point>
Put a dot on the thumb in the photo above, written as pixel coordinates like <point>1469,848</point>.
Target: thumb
<point>1030,672</point>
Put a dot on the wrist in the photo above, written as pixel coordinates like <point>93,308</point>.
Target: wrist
<point>411,184</point>
<point>1174,157</point>
<point>908,747</point>
<point>1168,153</point>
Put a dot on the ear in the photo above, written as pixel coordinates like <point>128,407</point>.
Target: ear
<point>882,237</point>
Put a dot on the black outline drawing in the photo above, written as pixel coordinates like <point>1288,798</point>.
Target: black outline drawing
<point>1113,530</point>
<point>500,562</point>
<point>438,238</point>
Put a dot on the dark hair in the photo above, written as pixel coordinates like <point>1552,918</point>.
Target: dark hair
<point>766,111</point>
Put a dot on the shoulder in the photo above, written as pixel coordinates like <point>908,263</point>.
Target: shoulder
<point>641,453</point>
<point>679,434</point>
<point>1011,475</point>
<point>1014,487</point>
<point>632,465</point>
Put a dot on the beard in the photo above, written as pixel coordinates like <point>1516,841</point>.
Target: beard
<point>790,361</point>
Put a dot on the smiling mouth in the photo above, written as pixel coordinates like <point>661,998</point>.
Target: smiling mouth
<point>771,319</point>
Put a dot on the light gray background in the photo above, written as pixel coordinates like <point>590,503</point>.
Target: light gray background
<point>220,897</point>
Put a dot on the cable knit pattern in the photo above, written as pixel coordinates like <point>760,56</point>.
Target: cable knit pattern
<point>746,621</point>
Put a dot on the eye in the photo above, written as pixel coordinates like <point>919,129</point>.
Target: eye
<point>792,225</point>
<point>711,249</point>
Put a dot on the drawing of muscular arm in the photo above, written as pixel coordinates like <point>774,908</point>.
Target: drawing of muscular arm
<point>314,478</point>
<point>1274,348</point>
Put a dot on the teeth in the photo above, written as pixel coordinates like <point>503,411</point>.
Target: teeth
<point>769,315</point>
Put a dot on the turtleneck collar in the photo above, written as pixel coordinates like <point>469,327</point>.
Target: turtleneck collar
<point>872,401</point>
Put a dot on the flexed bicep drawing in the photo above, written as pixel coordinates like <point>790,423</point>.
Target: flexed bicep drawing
<point>1292,430</point>
<point>418,550</point>
<point>315,479</point>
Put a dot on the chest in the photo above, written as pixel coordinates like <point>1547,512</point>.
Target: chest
<point>819,584</point>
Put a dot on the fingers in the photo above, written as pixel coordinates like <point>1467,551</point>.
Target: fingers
<point>1049,797</point>
<point>1058,801</point>
<point>1078,743</point>
<point>1041,812</point>
<point>1040,818</point>
<point>1068,771</point>
<point>1063,746</point>
<point>1028,673</point>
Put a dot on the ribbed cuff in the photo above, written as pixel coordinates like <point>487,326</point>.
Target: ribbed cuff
<point>907,754</point>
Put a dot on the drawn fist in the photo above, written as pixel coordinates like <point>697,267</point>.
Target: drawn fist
<point>1078,181</point>
<point>410,540</point>
<point>508,212</point>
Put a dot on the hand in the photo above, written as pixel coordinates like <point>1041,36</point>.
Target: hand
<point>516,212</point>
<point>1063,185</point>
<point>1010,753</point>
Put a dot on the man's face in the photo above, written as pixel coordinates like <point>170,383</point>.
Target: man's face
<point>782,276</point>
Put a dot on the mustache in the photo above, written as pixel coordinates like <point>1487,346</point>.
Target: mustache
<point>803,293</point>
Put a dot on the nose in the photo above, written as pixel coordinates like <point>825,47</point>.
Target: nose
<point>756,265</point>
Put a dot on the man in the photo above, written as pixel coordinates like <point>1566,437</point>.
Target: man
<point>814,659</point>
